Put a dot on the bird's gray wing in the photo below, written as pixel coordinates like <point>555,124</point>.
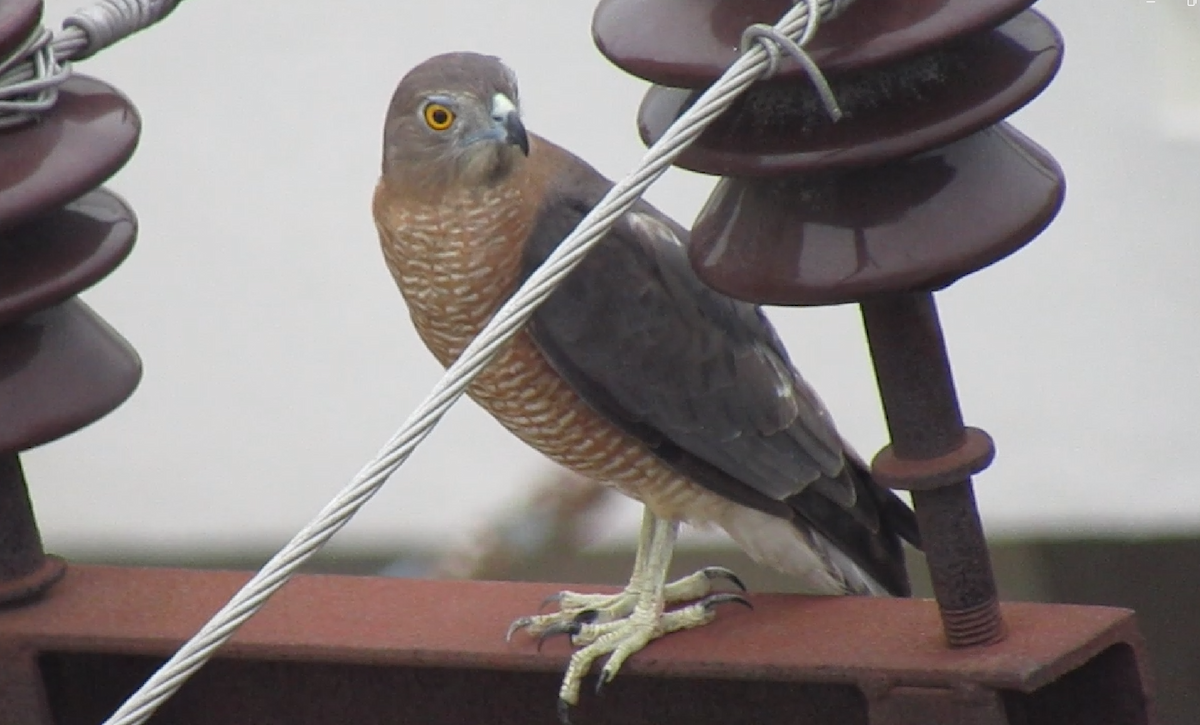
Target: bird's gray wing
<point>700,377</point>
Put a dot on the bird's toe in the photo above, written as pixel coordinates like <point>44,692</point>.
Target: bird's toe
<point>713,600</point>
<point>517,624</point>
<point>571,629</point>
<point>720,572</point>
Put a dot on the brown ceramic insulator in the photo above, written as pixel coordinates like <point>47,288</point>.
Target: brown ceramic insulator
<point>912,224</point>
<point>61,366</point>
<point>90,133</point>
<point>62,253</point>
<point>947,93</point>
<point>689,43</point>
<point>25,569</point>
<point>925,422</point>
<point>60,369</point>
<point>18,18</point>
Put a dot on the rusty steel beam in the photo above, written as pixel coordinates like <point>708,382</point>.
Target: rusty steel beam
<point>335,649</point>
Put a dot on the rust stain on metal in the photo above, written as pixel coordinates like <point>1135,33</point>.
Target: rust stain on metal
<point>926,427</point>
<point>974,455</point>
<point>461,624</point>
<point>328,648</point>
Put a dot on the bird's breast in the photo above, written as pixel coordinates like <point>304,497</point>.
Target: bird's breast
<point>455,265</point>
<point>455,262</point>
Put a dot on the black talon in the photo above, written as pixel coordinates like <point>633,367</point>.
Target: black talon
<point>587,616</point>
<point>564,712</point>
<point>712,600</point>
<point>568,628</point>
<point>720,572</point>
<point>518,623</point>
<point>601,680</point>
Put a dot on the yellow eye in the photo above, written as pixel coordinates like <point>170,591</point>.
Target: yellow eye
<point>438,117</point>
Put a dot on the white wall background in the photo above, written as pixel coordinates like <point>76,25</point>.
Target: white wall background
<point>279,357</point>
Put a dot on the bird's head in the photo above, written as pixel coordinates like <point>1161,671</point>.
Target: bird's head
<point>454,121</point>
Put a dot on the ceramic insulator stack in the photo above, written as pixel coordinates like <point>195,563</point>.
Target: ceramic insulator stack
<point>61,366</point>
<point>921,183</point>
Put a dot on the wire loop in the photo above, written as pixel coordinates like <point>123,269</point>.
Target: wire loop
<point>776,43</point>
<point>29,80</point>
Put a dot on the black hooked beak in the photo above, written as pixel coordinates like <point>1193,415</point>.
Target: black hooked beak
<point>506,116</point>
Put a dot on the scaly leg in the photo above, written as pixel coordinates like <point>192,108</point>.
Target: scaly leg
<point>576,608</point>
<point>621,624</point>
<point>601,607</point>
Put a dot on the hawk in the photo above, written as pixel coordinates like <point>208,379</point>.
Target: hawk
<point>632,372</point>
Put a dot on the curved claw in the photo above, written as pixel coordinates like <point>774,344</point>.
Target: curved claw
<point>564,712</point>
<point>567,628</point>
<point>553,599</point>
<point>720,572</point>
<point>603,679</point>
<point>712,600</point>
<point>518,623</point>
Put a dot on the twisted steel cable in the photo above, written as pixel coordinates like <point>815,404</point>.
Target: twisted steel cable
<point>31,74</point>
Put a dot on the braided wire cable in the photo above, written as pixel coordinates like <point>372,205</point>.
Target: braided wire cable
<point>29,79</point>
<point>31,74</point>
<point>750,66</point>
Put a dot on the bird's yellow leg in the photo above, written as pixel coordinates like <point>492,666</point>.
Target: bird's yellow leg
<point>575,608</point>
<point>619,638</point>
<point>620,625</point>
<point>611,606</point>
<point>648,620</point>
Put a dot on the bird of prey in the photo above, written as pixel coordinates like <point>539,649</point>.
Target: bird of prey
<point>632,372</point>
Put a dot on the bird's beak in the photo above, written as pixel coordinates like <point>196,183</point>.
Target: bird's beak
<point>508,122</point>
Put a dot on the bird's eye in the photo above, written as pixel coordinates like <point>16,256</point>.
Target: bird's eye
<point>438,117</point>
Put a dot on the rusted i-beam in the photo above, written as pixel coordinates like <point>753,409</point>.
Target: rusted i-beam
<point>335,649</point>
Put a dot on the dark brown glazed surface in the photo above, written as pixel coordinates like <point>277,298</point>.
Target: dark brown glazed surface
<point>62,253</point>
<point>18,18</point>
<point>777,128</point>
<point>688,43</point>
<point>919,223</point>
<point>90,134</point>
<point>60,370</point>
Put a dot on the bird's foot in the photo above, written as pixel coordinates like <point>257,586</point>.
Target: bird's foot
<point>577,608</point>
<point>620,638</point>
<point>618,625</point>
